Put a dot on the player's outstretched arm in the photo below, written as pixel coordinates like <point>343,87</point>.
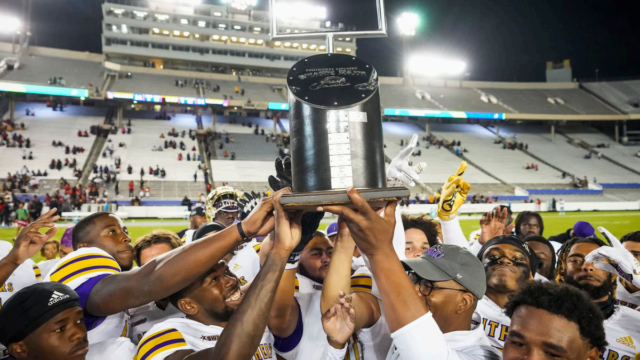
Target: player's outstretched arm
<point>242,335</point>
<point>374,236</point>
<point>28,243</point>
<point>169,273</point>
<point>338,280</point>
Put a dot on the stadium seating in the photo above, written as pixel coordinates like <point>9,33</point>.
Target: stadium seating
<point>507,165</point>
<point>620,94</point>
<point>39,69</point>
<point>402,97</point>
<point>623,154</point>
<point>568,157</point>
<point>440,162</point>
<point>456,99</point>
<point>248,147</point>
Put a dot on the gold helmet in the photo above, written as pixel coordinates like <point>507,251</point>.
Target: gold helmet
<point>224,198</point>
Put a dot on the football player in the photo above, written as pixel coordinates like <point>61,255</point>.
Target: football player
<point>222,205</point>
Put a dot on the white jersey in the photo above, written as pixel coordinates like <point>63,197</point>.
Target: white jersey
<point>187,238</point>
<point>622,331</point>
<point>475,235</point>
<point>81,270</point>
<point>422,339</point>
<point>374,342</point>
<point>173,335</point>
<point>25,275</point>
<point>309,338</point>
<point>246,262</point>
<point>46,265</point>
<point>625,298</point>
<point>493,320</point>
<point>145,317</point>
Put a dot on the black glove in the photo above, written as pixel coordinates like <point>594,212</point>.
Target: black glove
<point>310,222</point>
<point>247,204</point>
<point>283,174</point>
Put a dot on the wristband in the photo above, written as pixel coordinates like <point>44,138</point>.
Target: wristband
<point>291,266</point>
<point>242,234</point>
<point>294,257</point>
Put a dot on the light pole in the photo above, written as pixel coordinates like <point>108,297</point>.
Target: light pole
<point>407,24</point>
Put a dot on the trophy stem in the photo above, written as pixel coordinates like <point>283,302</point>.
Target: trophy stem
<point>329,43</point>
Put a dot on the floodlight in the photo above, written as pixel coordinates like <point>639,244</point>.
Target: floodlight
<point>217,13</point>
<point>435,66</point>
<point>186,33</point>
<point>156,30</point>
<point>277,43</point>
<point>176,32</point>
<point>252,41</point>
<point>166,32</point>
<point>224,38</point>
<point>260,42</point>
<point>9,24</point>
<point>140,13</point>
<point>184,21</point>
<point>408,22</point>
<point>202,23</point>
<point>243,40</point>
<point>237,27</point>
<point>216,37</point>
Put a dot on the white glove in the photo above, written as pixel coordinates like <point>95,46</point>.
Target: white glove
<point>399,169</point>
<point>613,241</point>
<point>617,261</point>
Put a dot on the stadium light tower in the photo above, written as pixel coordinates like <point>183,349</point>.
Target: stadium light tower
<point>433,66</point>
<point>407,25</point>
<point>10,25</point>
<point>241,4</point>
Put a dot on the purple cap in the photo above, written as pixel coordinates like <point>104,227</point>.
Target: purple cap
<point>332,229</point>
<point>66,238</point>
<point>583,229</point>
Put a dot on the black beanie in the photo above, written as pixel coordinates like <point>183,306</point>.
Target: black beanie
<point>517,242</point>
<point>32,307</point>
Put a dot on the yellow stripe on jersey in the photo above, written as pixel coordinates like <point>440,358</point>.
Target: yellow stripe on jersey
<point>257,248</point>
<point>361,283</point>
<point>36,270</point>
<point>158,342</point>
<point>72,269</point>
<point>297,285</point>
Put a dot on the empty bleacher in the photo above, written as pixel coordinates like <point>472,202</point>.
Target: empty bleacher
<point>568,157</point>
<point>623,154</point>
<point>440,162</point>
<point>39,69</point>
<point>508,165</point>
<point>402,97</point>
<point>248,147</point>
<point>457,99</point>
<point>624,95</point>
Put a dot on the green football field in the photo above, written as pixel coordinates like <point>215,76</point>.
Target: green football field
<point>619,223</point>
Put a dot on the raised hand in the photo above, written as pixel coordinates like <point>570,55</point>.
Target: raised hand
<point>613,241</point>
<point>288,227</point>
<point>617,261</point>
<point>399,169</point>
<point>492,224</point>
<point>261,221</point>
<point>373,233</point>
<point>30,240</point>
<point>339,321</point>
<point>454,194</point>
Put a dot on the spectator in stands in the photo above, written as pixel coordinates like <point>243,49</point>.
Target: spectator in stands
<point>163,173</point>
<point>131,188</point>
<point>147,192</point>
<point>59,165</point>
<point>129,169</point>
<point>180,157</point>
<point>225,154</point>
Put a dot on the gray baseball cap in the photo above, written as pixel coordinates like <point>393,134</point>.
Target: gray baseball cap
<point>444,262</point>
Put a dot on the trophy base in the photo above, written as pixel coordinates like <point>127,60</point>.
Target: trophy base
<point>309,201</point>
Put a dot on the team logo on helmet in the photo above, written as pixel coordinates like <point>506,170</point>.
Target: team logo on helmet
<point>224,198</point>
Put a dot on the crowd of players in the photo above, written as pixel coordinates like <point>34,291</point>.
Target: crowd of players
<point>249,280</point>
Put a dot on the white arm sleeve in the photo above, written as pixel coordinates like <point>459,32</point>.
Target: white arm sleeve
<point>452,233</point>
<point>422,339</point>
<point>331,353</point>
<point>475,247</point>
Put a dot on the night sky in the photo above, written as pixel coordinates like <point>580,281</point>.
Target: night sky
<point>500,40</point>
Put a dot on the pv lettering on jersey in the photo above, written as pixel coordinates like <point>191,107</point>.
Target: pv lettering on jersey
<point>265,351</point>
<point>7,287</point>
<point>611,354</point>
<point>495,330</point>
<point>209,337</point>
